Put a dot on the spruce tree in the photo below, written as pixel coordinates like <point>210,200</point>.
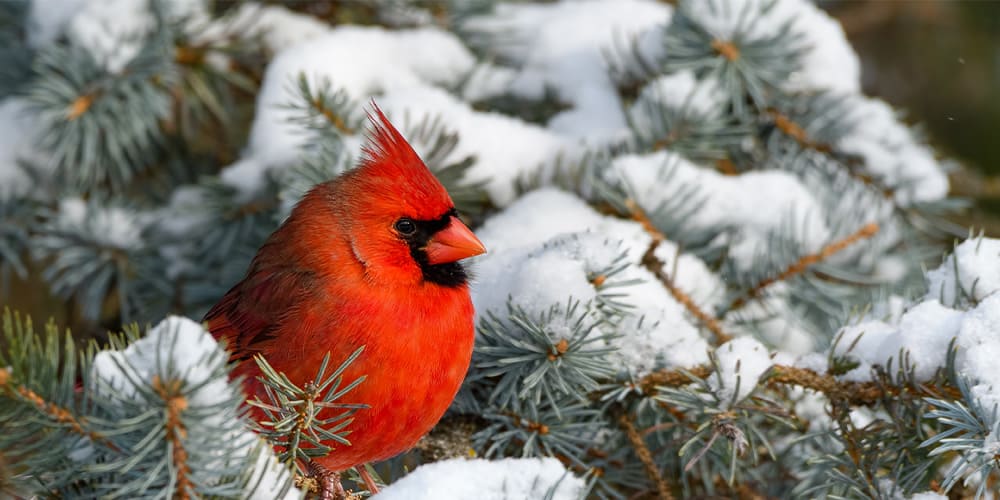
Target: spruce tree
<point>707,270</point>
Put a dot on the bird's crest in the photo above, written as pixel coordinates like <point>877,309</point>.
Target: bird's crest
<point>386,144</point>
<point>388,156</point>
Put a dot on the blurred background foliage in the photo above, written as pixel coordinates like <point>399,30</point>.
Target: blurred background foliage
<point>940,61</point>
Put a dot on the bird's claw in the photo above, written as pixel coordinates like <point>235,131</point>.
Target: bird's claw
<point>328,482</point>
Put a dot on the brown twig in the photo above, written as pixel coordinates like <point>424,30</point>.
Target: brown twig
<point>854,393</point>
<point>654,265</point>
<point>642,451</point>
<point>332,117</point>
<point>801,265</point>
<point>672,378</point>
<point>170,392</point>
<point>792,129</point>
<point>636,213</point>
<point>795,131</point>
<point>52,410</point>
<point>529,424</point>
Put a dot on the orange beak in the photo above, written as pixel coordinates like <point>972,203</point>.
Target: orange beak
<point>454,242</point>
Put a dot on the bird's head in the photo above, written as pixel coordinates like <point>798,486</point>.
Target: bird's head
<point>403,225</point>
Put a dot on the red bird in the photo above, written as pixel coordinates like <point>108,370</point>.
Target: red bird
<point>367,259</point>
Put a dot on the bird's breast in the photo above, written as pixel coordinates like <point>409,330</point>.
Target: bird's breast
<point>417,349</point>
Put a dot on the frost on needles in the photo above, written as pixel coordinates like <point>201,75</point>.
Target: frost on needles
<point>705,268</point>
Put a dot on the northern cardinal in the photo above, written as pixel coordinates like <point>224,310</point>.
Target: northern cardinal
<point>367,259</point>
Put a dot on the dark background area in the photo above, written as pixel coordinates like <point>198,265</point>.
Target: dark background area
<point>939,62</point>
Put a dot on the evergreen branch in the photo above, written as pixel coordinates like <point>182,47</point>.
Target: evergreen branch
<point>804,263</point>
<point>642,451</point>
<point>292,413</point>
<point>672,378</point>
<point>319,106</point>
<point>175,402</point>
<point>53,411</point>
<point>531,358</point>
<point>853,393</point>
<point>797,131</point>
<point>654,265</point>
<point>79,102</point>
<point>698,127</point>
<point>637,214</point>
<point>540,430</point>
<point>792,129</point>
<point>15,213</point>
<point>748,62</point>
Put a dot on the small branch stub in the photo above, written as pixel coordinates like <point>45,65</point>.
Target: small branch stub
<point>558,349</point>
<point>530,424</point>
<point>189,56</point>
<point>726,49</point>
<point>79,106</point>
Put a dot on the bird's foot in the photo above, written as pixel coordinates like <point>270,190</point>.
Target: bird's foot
<point>367,478</point>
<point>328,482</point>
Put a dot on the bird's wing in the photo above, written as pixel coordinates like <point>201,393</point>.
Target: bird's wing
<point>250,315</point>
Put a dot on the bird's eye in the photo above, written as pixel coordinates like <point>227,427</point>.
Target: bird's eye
<point>405,227</point>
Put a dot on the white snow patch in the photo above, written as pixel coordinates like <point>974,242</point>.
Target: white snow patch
<point>178,347</point>
<point>18,133</point>
<point>741,363</point>
<point>774,321</point>
<point>361,61</point>
<point>691,275</point>
<point>973,268</point>
<point>752,205</point>
<point>979,350</point>
<point>507,479</point>
<point>545,213</point>
<point>924,332</point>
<point>278,27</point>
<point>549,245</point>
<point>657,333</point>
<point>110,226</point>
<point>176,344</point>
<point>928,495</point>
<point>559,46</point>
<point>48,18</point>
<point>114,30</point>
<point>505,148</point>
<point>679,92</point>
<point>892,154</point>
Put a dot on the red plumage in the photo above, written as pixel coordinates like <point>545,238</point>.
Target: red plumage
<point>343,272</point>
